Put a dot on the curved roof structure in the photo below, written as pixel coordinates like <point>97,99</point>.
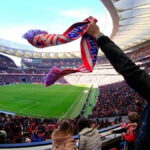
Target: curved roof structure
<point>131,21</point>
<point>131,26</point>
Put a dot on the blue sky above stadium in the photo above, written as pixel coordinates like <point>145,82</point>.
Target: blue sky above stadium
<point>19,16</point>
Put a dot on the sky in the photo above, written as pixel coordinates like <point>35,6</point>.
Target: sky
<point>54,16</point>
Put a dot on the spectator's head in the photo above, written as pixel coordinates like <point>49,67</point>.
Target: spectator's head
<point>138,107</point>
<point>83,123</point>
<point>133,117</point>
<point>66,127</point>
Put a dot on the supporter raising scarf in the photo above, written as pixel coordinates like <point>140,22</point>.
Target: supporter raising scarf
<point>89,48</point>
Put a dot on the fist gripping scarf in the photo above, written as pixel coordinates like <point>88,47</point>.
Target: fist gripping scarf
<point>89,48</point>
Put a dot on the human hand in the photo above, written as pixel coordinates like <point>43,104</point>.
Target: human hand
<point>93,30</point>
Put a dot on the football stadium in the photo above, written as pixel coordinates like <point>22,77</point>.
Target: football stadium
<point>92,97</point>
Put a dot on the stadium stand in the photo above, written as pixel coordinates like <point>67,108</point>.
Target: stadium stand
<point>6,62</point>
<point>23,129</point>
<point>18,129</point>
<point>116,99</point>
<point>110,101</point>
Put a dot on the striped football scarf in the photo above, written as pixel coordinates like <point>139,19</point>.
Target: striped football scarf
<point>89,48</point>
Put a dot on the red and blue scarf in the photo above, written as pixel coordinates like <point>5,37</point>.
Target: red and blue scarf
<point>89,48</point>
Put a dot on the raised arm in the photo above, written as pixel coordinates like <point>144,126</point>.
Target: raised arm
<point>136,78</point>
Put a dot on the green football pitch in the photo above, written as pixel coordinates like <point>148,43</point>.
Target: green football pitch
<point>35,100</point>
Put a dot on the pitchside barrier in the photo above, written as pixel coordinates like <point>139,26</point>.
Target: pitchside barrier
<point>109,140</point>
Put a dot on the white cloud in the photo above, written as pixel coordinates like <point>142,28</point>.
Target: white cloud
<point>59,25</point>
<point>76,13</point>
<point>104,20</point>
<point>15,34</point>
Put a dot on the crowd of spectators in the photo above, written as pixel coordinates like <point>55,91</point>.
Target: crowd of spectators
<point>116,99</point>
<point>49,63</point>
<point>19,129</point>
<point>33,73</point>
<point>6,61</point>
<point>68,62</point>
<point>29,75</point>
<point>139,53</point>
<point>34,79</point>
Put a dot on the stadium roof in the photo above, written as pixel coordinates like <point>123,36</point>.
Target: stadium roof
<point>131,21</point>
<point>131,26</point>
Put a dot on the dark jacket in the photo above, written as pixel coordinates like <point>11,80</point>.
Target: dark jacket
<point>137,79</point>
